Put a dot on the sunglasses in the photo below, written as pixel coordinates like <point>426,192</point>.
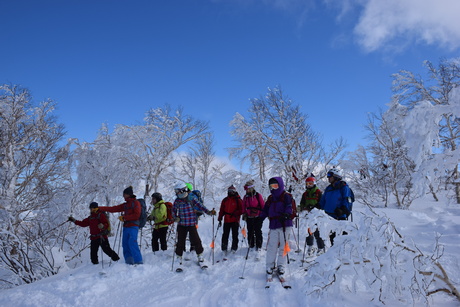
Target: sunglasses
<point>310,184</point>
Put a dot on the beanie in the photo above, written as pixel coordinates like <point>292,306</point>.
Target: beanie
<point>93,205</point>
<point>128,191</point>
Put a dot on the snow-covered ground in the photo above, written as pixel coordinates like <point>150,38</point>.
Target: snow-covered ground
<point>156,284</point>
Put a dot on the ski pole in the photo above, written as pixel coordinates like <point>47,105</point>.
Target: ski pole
<point>214,240</point>
<point>244,266</point>
<point>212,247</point>
<point>174,250</point>
<point>304,250</point>
<point>296,241</point>
<point>298,235</point>
<point>102,253</point>
<point>120,239</point>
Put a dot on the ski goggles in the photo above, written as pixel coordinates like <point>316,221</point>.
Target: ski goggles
<point>247,187</point>
<point>180,191</point>
<point>274,186</point>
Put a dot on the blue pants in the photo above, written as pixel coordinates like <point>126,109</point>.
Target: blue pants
<point>131,250</point>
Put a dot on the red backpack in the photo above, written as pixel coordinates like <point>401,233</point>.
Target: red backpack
<point>169,214</point>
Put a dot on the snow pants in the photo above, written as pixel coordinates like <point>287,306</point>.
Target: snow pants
<point>233,227</point>
<point>105,245</point>
<point>131,251</point>
<point>255,238</point>
<point>159,235</point>
<point>195,240</point>
<point>275,248</point>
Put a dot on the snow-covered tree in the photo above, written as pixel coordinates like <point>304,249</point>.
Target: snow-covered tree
<point>32,181</point>
<point>276,139</point>
<point>413,147</point>
<point>428,114</point>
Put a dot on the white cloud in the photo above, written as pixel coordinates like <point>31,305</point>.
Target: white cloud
<point>385,23</point>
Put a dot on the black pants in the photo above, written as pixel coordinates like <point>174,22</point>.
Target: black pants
<point>159,235</point>
<point>105,245</point>
<point>255,238</point>
<point>319,241</point>
<point>234,228</point>
<point>195,240</point>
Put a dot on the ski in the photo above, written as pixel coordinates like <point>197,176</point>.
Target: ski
<point>283,281</point>
<point>269,281</point>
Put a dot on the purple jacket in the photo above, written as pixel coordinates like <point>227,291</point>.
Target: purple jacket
<point>277,205</point>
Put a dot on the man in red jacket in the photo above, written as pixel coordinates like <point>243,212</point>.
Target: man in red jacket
<point>131,213</point>
<point>98,229</point>
<point>231,209</point>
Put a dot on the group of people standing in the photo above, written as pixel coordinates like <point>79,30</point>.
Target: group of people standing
<point>279,208</point>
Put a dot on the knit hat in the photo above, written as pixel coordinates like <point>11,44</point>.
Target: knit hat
<point>93,205</point>
<point>128,191</point>
<point>232,188</point>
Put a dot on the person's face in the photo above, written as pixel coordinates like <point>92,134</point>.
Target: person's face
<point>331,179</point>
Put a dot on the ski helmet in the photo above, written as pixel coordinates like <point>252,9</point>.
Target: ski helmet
<point>180,187</point>
<point>334,172</point>
<point>310,180</point>
<point>189,186</point>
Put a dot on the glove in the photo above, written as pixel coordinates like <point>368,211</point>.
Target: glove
<point>177,219</point>
<point>245,216</point>
<point>150,218</point>
<point>71,219</point>
<point>100,226</point>
<point>284,217</point>
<point>212,212</point>
<point>340,211</point>
<point>220,224</point>
<point>121,218</point>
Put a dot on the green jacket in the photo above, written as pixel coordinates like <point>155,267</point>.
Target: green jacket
<point>310,199</point>
<point>159,214</point>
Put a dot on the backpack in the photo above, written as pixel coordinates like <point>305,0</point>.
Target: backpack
<point>169,214</point>
<point>351,199</point>
<point>107,231</point>
<point>143,216</point>
<point>197,193</point>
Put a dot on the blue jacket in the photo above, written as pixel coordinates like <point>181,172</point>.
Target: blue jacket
<point>278,204</point>
<point>335,196</point>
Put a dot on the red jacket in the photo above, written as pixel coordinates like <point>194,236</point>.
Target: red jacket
<point>92,221</point>
<point>131,211</point>
<point>232,208</point>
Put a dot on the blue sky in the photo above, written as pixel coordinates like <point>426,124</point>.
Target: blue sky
<point>111,61</point>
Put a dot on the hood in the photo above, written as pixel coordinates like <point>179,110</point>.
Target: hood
<point>277,193</point>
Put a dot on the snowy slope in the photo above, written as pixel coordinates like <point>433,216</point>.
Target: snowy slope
<point>154,283</point>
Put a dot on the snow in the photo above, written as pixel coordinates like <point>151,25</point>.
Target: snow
<point>154,283</point>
